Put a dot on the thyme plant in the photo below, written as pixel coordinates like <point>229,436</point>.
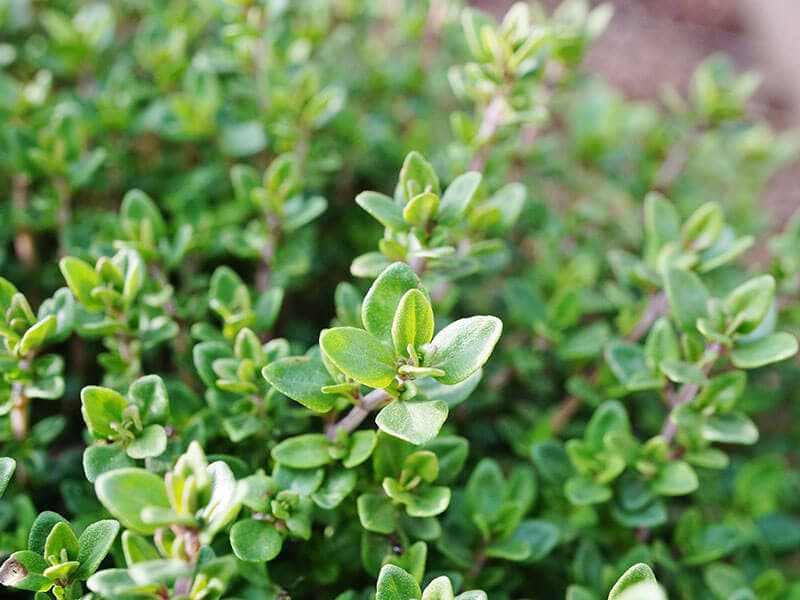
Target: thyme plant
<point>353,300</point>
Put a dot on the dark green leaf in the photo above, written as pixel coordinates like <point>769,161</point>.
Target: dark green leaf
<point>303,451</point>
<point>255,541</point>
<point>380,303</point>
<point>95,542</point>
<point>688,298</point>
<point>396,584</point>
<point>302,378</point>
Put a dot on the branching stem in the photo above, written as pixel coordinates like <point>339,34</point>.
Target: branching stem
<point>371,402</point>
<point>688,391</point>
<point>656,307</point>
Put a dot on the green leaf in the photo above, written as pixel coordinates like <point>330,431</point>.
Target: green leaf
<point>582,491</point>
<point>771,349</point>
<point>150,394</point>
<point>396,584</point>
<point>628,362</point>
<point>125,492</point>
<point>609,417</point>
<point>421,209</point>
<point>413,322</point>
<point>301,211</point>
<point>648,591</point>
<point>703,228</point>
<point>662,344</point>
<point>61,537</point>
<point>225,501</point>
<point>508,549</point>
<point>97,459</point>
<point>303,451</point>
<point>348,304</point>
<point>336,488</point>
<point>360,448</point>
<point>384,295</point>
<point>137,548</point>
<point>62,306</point>
<point>414,422</point>
<point>23,570</point>
<point>140,218</point>
<point>359,355</point>
<point>428,501</point>
<point>638,573</point>
<point>243,139</point>
<point>423,464</point>
<point>722,391</point>
<point>7,467</point>
<point>688,298</point>
<point>383,209</point>
<point>134,275</point>
<point>472,595</point>
<point>417,176</point>
<point>676,478</point>
<point>114,583</point>
<point>431,389</point>
<point>302,378</point>
<point>100,408</point>
<point>81,279</point>
<point>730,428</point>
<point>376,513</point>
<point>507,204</point>
<point>95,543</point>
<point>159,572</point>
<point>485,476</point>
<point>255,541</point>
<point>439,589</point>
<point>457,197</point>
<point>541,537</point>
<point>227,292</point>
<point>371,264</point>
<point>268,305</point>
<point>749,303</point>
<point>451,453</point>
<point>661,224</point>
<point>585,343</point>
<point>41,528</point>
<point>150,442</point>
<point>35,336</point>
<point>683,372</point>
<point>463,347</point>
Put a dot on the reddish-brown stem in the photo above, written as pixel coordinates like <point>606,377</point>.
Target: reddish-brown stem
<point>24,244</point>
<point>64,211</point>
<point>19,415</point>
<point>492,117</point>
<point>371,402</point>
<point>656,307</point>
<point>688,391</point>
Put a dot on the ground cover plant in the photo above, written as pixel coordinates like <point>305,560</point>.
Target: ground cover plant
<point>352,300</point>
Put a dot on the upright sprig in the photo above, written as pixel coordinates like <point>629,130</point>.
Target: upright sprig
<point>394,348</point>
<point>28,373</point>
<point>443,235</point>
<point>518,63</point>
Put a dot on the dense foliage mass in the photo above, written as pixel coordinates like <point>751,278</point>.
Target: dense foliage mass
<point>280,328</point>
